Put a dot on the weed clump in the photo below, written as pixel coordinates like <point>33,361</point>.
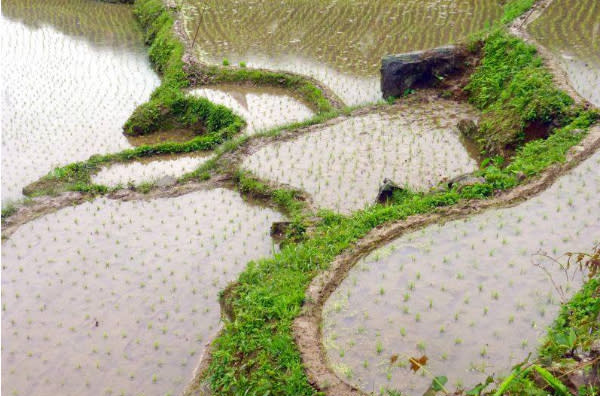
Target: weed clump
<point>516,94</point>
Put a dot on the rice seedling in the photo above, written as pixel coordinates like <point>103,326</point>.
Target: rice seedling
<point>576,49</point>
<point>263,108</point>
<point>328,40</point>
<point>135,173</point>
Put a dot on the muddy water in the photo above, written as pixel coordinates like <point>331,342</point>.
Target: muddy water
<point>148,171</point>
<point>69,83</point>
<point>338,42</point>
<point>120,298</point>
<point>262,107</point>
<point>342,165</point>
<point>572,30</point>
<point>467,294</point>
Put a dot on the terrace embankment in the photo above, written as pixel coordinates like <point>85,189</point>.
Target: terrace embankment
<point>330,41</point>
<point>50,51</point>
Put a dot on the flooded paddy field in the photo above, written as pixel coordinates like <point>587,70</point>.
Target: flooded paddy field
<point>73,72</point>
<point>474,296</point>
<point>337,42</point>
<point>120,298</point>
<point>148,171</point>
<point>571,29</point>
<point>263,108</point>
<point>342,166</point>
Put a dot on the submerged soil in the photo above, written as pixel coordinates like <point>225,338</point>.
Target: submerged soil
<point>572,31</point>
<point>121,297</point>
<point>263,108</point>
<point>148,170</point>
<point>415,144</point>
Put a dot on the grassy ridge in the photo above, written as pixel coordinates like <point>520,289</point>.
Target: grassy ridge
<point>169,106</point>
<point>301,85</point>
<point>514,91</point>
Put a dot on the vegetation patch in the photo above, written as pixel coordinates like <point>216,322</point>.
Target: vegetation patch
<point>169,107</point>
<point>569,358</point>
<point>255,353</point>
<point>516,94</point>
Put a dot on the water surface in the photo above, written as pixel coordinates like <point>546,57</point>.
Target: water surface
<point>572,30</point>
<point>72,73</point>
<point>342,166</point>
<point>120,298</point>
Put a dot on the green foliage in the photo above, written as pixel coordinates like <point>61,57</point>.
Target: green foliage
<point>169,106</point>
<point>514,9</point>
<point>576,323</point>
<point>8,210</point>
<point>514,91</point>
<point>554,382</point>
<point>255,353</point>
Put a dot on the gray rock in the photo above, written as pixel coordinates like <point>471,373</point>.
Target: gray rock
<point>386,190</point>
<point>401,72</point>
<point>465,180</point>
<point>467,128</point>
<point>279,230</point>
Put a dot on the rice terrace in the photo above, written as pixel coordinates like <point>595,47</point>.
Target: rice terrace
<point>300,197</point>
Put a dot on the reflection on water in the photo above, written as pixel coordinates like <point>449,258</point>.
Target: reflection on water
<point>65,98</point>
<point>572,30</point>
<point>99,23</point>
<point>338,42</point>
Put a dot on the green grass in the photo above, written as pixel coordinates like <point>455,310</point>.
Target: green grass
<point>575,328</point>
<point>169,106</point>
<point>514,91</point>
<point>301,85</point>
<point>514,9</point>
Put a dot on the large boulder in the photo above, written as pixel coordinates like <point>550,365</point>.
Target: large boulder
<point>386,191</point>
<point>402,72</point>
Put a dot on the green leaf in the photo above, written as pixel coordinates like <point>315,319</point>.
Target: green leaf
<point>554,382</point>
<point>438,383</point>
<point>572,338</point>
<point>476,391</point>
<point>516,373</point>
